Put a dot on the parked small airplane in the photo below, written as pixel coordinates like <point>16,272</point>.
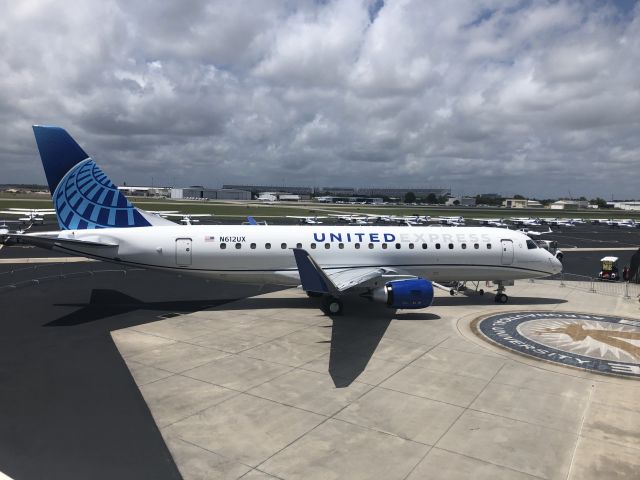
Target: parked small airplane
<point>352,219</point>
<point>308,220</point>
<point>5,229</point>
<point>453,221</point>
<point>253,221</point>
<point>396,266</point>
<point>400,219</point>
<point>622,223</point>
<point>533,233</point>
<point>492,222</point>
<point>185,218</point>
<point>30,215</point>
<point>526,221</point>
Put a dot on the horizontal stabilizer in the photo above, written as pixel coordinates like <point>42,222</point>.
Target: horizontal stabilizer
<point>51,243</point>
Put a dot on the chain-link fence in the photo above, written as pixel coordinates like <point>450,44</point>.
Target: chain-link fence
<point>593,285</point>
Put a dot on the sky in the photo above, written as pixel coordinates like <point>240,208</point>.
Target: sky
<point>539,98</point>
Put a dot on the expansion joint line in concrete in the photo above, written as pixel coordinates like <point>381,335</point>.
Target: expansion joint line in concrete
<point>579,433</point>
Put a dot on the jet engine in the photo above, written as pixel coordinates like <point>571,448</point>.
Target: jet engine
<point>410,293</point>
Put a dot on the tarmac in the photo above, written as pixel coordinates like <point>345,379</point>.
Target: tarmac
<point>269,387</point>
<point>107,374</point>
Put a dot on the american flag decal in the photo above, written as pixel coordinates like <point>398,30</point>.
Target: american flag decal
<point>209,238</point>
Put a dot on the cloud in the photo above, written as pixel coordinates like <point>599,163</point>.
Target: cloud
<point>483,96</point>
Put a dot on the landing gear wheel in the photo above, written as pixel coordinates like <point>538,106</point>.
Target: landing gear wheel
<point>481,292</point>
<point>501,298</point>
<point>332,306</point>
<point>452,292</point>
<point>313,294</point>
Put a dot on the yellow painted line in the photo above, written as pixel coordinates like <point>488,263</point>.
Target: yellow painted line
<point>47,260</point>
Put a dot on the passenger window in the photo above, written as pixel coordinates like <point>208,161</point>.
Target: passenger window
<point>341,245</point>
<point>267,246</point>
<point>313,246</point>
<point>488,246</point>
<point>298,245</point>
<point>253,246</point>
<point>398,246</point>
<point>384,246</point>
<point>371,246</point>
<point>223,246</point>
<point>327,246</point>
<point>411,246</point>
<point>238,246</point>
<point>424,246</point>
<point>476,246</point>
<point>283,246</point>
<point>357,246</point>
<point>464,246</point>
<point>451,246</point>
<point>437,246</point>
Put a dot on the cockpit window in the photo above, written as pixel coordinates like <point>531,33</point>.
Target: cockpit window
<point>531,244</point>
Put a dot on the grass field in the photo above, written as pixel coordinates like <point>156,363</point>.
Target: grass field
<point>260,210</point>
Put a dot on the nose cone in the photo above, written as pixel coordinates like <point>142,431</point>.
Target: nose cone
<point>556,265</point>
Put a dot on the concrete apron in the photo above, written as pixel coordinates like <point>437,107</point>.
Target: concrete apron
<point>269,387</point>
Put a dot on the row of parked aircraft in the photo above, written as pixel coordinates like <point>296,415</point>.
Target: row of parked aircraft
<point>394,265</point>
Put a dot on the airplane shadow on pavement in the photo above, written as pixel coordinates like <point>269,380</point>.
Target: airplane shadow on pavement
<point>354,336</point>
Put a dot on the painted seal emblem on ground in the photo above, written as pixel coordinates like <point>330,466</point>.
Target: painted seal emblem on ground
<point>600,343</point>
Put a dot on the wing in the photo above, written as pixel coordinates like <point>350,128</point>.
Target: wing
<point>316,279</point>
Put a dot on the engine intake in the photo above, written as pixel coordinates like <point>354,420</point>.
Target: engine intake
<point>410,293</point>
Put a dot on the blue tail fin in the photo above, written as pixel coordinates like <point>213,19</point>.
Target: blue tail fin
<point>83,195</point>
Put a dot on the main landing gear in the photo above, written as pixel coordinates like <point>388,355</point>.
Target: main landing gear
<point>332,306</point>
<point>501,297</point>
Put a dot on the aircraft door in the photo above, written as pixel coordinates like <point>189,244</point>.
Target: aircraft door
<point>507,252</point>
<point>183,252</point>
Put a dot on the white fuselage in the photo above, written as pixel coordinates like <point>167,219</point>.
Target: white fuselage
<point>262,254</point>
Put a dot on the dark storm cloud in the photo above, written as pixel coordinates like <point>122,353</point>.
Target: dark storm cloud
<point>514,97</point>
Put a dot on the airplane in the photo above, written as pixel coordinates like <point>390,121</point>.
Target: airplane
<point>395,266</point>
<point>558,222</point>
<point>5,230</point>
<point>622,223</point>
<point>533,233</point>
<point>404,220</point>
<point>492,222</point>
<point>526,221</point>
<point>30,215</point>
<point>352,219</point>
<point>308,220</point>
<point>253,221</point>
<point>453,221</point>
<point>185,218</point>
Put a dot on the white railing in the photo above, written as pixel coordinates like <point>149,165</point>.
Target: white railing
<point>33,275</point>
<point>593,285</point>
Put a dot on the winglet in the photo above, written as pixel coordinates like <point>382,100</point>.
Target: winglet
<point>251,220</point>
<point>312,276</point>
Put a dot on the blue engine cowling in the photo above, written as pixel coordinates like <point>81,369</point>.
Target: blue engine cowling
<point>410,293</point>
